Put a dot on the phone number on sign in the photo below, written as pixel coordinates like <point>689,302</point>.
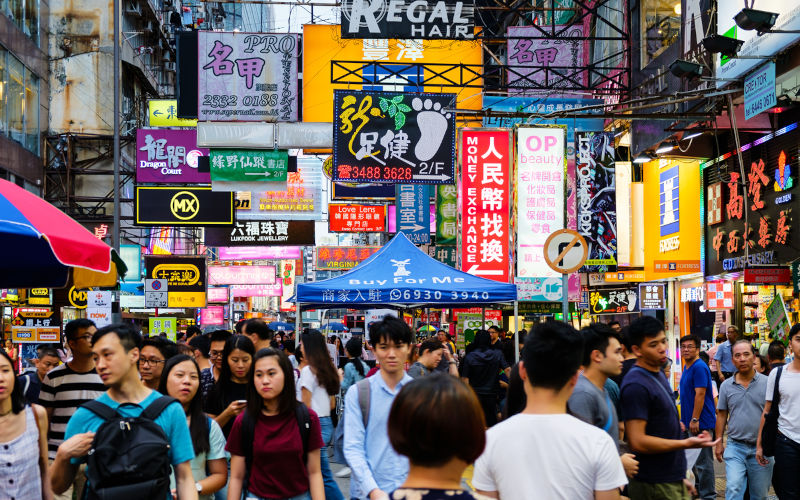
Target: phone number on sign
<point>349,172</point>
<point>222,101</point>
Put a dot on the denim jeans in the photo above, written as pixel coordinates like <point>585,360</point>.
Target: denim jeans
<point>332,491</point>
<point>742,468</point>
<point>704,471</point>
<point>787,464</point>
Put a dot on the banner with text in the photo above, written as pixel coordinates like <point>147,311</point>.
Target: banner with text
<point>356,218</point>
<point>412,213</point>
<point>597,204</point>
<point>338,258</point>
<point>446,214</point>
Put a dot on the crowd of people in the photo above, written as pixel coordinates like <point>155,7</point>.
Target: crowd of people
<point>252,414</point>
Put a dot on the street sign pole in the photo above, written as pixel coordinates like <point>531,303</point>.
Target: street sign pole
<point>565,295</point>
<point>565,251</point>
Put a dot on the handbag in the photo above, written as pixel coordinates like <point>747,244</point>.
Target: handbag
<point>769,433</point>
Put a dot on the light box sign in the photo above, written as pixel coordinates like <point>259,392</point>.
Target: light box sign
<point>274,290</point>
<point>446,214</point>
<point>391,219</point>
<point>217,294</point>
<point>535,61</point>
<point>183,206</point>
<point>185,279</point>
<point>212,316</point>
<point>719,295</point>
<point>256,253</point>
<point>164,113</point>
<point>247,76</point>
<point>301,199</point>
<point>337,258</point>
<point>485,159</point>
<point>413,207</point>
<point>411,21</point>
<point>539,289</point>
<point>356,218</point>
<point>243,165</point>
<point>614,301</point>
<point>166,156</point>
<point>597,205</point>
<point>759,91</point>
<point>652,296</point>
<point>261,233</point>
<point>541,167</point>
<point>241,275</point>
<point>287,279</point>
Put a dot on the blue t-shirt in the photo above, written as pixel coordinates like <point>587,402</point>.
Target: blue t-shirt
<point>646,395</point>
<point>724,357</point>
<point>172,420</point>
<point>697,376</point>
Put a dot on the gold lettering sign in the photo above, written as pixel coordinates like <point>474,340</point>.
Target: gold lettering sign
<point>77,298</point>
<point>184,205</point>
<point>177,274</point>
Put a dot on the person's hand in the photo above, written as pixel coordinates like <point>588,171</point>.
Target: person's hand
<point>702,440</point>
<point>378,494</point>
<point>683,427</point>
<point>77,446</point>
<point>235,408</point>
<point>762,460</point>
<point>694,427</point>
<point>690,487</point>
<point>174,494</point>
<point>719,449</point>
<point>630,464</point>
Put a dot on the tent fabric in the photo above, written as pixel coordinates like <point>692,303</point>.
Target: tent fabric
<point>402,275</point>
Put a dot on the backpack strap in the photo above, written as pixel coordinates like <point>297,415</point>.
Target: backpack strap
<point>155,408</point>
<point>363,400</point>
<point>304,423</point>
<point>100,409</point>
<point>776,393</point>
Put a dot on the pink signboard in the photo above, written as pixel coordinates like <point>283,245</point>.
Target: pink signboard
<point>275,290</point>
<point>241,275</point>
<point>253,253</point>
<point>212,315</point>
<point>219,295</point>
<point>169,156</point>
<point>391,216</point>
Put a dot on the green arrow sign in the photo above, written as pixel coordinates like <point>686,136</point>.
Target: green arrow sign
<point>249,165</point>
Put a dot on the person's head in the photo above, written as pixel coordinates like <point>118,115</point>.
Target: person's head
<point>733,333</point>
<point>615,326</point>
<point>312,343</point>
<point>78,334</point>
<point>743,354</point>
<point>552,355</point>
<point>494,333</point>
<point>9,388</point>
<point>391,341</point>
<point>237,358</point>
<point>690,347</point>
<point>624,339</point>
<point>116,350</point>
<point>180,379</point>
<point>430,354</point>
<point>289,346</point>
<point>721,337</point>
<point>154,353</point>
<point>200,344</point>
<point>794,340</point>
<point>353,347</point>
<point>272,381</point>
<point>761,364</point>
<point>776,352</point>
<point>258,331</point>
<point>238,328</point>
<point>648,341</point>
<point>483,340</point>
<point>9,344</point>
<point>47,360</point>
<point>704,357</point>
<point>193,331</point>
<point>602,350</point>
<point>442,336</point>
<point>217,347</point>
<point>422,428</point>
<point>666,367</point>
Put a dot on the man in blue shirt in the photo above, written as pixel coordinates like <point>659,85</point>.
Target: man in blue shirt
<point>697,410</point>
<point>724,355</point>
<point>116,353</point>
<point>377,469</point>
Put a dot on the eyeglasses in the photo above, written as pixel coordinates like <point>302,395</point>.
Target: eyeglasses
<point>87,337</point>
<point>688,347</point>
<point>152,361</point>
<point>214,354</point>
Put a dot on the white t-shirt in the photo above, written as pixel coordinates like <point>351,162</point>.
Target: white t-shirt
<point>789,387</point>
<point>320,400</point>
<point>529,456</point>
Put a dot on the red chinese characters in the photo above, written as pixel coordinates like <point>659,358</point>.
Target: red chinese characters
<point>735,206</point>
<point>755,181</point>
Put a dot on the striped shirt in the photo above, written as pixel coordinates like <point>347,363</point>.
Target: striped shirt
<point>64,390</point>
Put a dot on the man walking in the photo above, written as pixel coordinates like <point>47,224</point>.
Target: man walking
<point>724,355</point>
<point>259,333</point>
<point>445,363</point>
<point>741,403</point>
<point>31,382</point>
<point>431,352</point>
<point>697,410</point>
<point>776,354</point>
<point>651,417</point>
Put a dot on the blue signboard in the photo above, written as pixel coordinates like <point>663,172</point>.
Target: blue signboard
<point>542,105</point>
<point>759,91</point>
<point>669,210</point>
<point>413,212</point>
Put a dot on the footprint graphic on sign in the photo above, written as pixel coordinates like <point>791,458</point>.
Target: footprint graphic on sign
<point>432,123</point>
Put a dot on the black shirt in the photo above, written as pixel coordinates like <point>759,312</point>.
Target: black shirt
<point>31,386</point>
<point>222,395</point>
<point>482,368</point>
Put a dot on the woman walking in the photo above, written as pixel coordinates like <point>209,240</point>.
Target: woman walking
<point>267,443</point>
<point>228,397</point>
<point>355,369</point>
<point>481,369</point>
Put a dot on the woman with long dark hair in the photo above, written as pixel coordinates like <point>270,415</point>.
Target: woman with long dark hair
<point>228,397</point>
<point>266,441</point>
<point>319,383</point>
<point>23,440</point>
<point>354,368</point>
<point>181,380</point>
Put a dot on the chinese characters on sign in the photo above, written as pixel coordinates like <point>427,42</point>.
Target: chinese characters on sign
<point>258,253</point>
<point>287,279</point>
<point>539,62</point>
<point>614,301</point>
<point>159,325</point>
<point>357,218</point>
<point>541,162</point>
<point>258,233</point>
<point>652,296</point>
<point>446,254</point>
<point>247,76</point>
<point>169,156</point>
<point>412,212</point>
<point>301,199</point>
<point>393,137</point>
<point>485,194</point>
<point>185,277</point>
<point>597,212</point>
<point>539,289</point>
<point>337,258</point>
<point>428,19</point>
<point>35,325</point>
<point>249,165</point>
<point>446,214</point>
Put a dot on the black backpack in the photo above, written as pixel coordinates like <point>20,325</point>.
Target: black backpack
<point>129,459</point>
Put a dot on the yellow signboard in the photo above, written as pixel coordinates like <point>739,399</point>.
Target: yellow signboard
<point>186,299</point>
<point>164,113</point>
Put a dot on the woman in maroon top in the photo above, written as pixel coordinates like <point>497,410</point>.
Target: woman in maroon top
<point>279,469</point>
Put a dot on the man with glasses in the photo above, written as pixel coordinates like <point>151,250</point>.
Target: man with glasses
<point>155,352</point>
<point>68,386</point>
<point>210,375</point>
<point>697,410</point>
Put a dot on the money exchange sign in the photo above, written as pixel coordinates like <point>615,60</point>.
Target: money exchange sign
<point>485,194</point>
<point>247,76</point>
<point>597,207</point>
<point>393,137</point>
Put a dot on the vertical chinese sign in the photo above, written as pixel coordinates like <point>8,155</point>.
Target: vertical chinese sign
<point>287,278</point>
<point>413,212</point>
<point>541,164</point>
<point>446,214</point>
<point>597,204</point>
<point>485,159</point>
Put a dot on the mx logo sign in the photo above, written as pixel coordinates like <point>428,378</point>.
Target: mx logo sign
<point>668,201</point>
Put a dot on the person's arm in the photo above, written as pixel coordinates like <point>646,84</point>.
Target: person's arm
<point>722,421</point>
<point>718,359</point>
<point>217,476</point>
<point>306,395</point>
<point>229,413</point>
<point>641,442</point>
<point>759,450</point>
<point>315,485</point>
<point>452,367</point>
<point>607,495</point>
<point>62,471</point>
<point>236,483</point>
<point>355,437</point>
<point>490,494</point>
<point>41,424</point>
<point>184,482</point>
<point>699,402</point>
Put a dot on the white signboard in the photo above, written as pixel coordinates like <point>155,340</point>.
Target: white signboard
<point>155,299</point>
<point>98,299</point>
<point>100,315</point>
<point>541,166</point>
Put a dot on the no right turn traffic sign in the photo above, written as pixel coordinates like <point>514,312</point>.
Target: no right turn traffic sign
<point>565,251</point>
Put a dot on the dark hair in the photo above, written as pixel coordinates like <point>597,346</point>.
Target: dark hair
<point>496,328</point>
<point>201,343</point>
<point>794,331</point>
<point>776,350</point>
<point>390,328</point>
<point>193,330</point>
<point>258,327</point>
<point>596,337</point>
<point>430,345</point>
<point>516,398</point>
<point>71,330</point>
<point>613,322</point>
<point>690,337</point>
<point>553,353</point>
<point>624,338</point>
<point>289,346</point>
<point>241,342</point>
<point>198,427</point>
<point>18,401</point>
<point>482,340</point>
<point>166,347</point>
<point>642,328</point>
<point>219,335</point>
<point>128,335</point>
<point>744,341</point>
<point>353,348</point>
<point>421,424</point>
<point>704,356</point>
<point>764,364</point>
<point>287,401</point>
<point>239,326</point>
<point>298,355</point>
<point>320,361</point>
<point>43,351</point>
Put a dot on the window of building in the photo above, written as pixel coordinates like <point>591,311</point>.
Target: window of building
<point>25,14</point>
<point>19,102</point>
<point>15,100</point>
<point>608,53</point>
<point>31,111</point>
<point>661,27</point>
<point>3,90</point>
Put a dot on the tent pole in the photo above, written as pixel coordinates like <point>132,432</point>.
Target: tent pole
<point>516,326</point>
<point>483,318</point>
<point>298,321</point>
<point>427,319</point>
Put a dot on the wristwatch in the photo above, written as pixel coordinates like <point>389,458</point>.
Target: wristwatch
<point>695,420</point>
<point>198,486</point>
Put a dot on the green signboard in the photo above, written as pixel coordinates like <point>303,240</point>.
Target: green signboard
<point>249,165</point>
<point>446,214</point>
<point>445,254</point>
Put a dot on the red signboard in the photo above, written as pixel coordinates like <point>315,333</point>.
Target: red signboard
<point>335,258</point>
<point>357,218</point>
<point>768,276</point>
<point>484,195</point>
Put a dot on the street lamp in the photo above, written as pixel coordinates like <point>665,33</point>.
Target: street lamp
<point>644,157</point>
<point>722,44</point>
<point>685,69</point>
<point>759,20</point>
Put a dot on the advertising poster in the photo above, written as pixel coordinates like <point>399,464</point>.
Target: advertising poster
<point>337,258</point>
<point>247,76</point>
<point>356,218</point>
<point>169,156</point>
<point>428,19</point>
<point>393,137</point>
<point>597,204</point>
<point>539,289</point>
<point>300,199</point>
<point>539,63</point>
<point>485,159</point>
<point>778,319</point>
<point>614,301</point>
<point>33,325</point>
<point>446,214</point>
<point>541,164</point>
<point>287,280</point>
<point>259,233</point>
<point>212,316</point>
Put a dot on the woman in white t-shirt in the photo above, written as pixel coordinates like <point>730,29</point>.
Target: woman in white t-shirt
<point>319,383</point>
